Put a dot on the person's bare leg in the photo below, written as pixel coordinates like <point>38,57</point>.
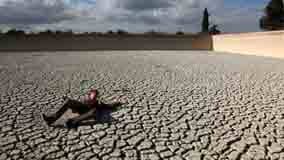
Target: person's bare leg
<point>68,103</point>
<point>75,121</point>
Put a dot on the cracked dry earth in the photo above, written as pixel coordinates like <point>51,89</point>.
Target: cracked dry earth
<point>177,105</point>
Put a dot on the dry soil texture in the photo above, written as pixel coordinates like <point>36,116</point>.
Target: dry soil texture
<point>177,105</point>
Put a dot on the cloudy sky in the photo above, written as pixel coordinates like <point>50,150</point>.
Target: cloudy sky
<point>131,15</point>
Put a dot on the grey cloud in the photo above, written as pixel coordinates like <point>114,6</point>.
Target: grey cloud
<point>131,15</point>
<point>139,5</point>
<point>184,14</point>
<point>145,17</point>
<point>187,20</point>
<point>29,12</point>
<point>172,12</point>
<point>238,19</point>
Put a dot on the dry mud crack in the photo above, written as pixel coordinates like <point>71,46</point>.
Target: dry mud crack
<point>178,105</point>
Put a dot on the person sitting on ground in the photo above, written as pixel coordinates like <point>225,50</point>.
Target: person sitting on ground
<point>86,109</point>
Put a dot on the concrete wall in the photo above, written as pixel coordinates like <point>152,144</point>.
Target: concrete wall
<point>258,43</point>
<point>53,43</point>
<point>269,44</point>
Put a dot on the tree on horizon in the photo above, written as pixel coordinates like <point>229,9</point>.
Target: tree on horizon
<point>274,16</point>
<point>15,32</point>
<point>205,21</point>
<point>121,32</point>
<point>47,32</point>
<point>110,32</point>
<point>179,32</point>
<point>214,30</point>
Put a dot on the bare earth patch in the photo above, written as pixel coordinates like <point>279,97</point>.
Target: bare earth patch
<point>177,105</point>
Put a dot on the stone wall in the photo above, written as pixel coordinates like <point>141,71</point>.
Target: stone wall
<point>53,43</point>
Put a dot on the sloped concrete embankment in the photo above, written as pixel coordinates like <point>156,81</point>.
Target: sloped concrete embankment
<point>268,44</point>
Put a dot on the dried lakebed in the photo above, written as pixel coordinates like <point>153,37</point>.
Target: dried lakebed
<point>177,105</point>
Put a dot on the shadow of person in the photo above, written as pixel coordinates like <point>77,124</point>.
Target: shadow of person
<point>101,115</point>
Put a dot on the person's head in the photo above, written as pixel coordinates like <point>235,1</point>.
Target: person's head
<point>93,94</point>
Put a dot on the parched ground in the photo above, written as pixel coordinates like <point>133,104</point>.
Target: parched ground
<point>177,105</point>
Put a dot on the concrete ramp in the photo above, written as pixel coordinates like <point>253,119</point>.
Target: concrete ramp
<point>269,44</point>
